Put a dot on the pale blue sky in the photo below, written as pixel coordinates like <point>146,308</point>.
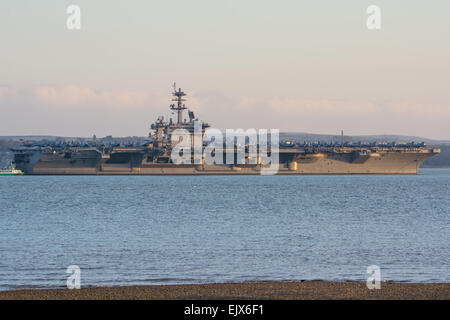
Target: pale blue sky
<point>294,65</point>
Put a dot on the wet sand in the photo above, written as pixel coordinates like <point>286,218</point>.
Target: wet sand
<point>251,290</point>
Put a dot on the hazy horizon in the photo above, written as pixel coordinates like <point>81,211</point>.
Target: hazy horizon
<point>298,66</point>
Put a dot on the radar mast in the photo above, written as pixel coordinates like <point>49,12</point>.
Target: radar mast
<point>179,107</point>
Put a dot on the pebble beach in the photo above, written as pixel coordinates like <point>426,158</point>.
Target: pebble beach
<point>307,290</point>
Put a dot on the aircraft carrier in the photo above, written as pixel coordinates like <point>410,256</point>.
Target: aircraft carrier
<point>153,157</point>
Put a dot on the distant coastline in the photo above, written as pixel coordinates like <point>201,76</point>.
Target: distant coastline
<point>441,160</point>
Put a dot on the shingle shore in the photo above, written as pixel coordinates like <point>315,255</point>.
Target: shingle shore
<point>249,290</point>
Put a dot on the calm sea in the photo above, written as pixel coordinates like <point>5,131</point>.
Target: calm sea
<point>126,230</point>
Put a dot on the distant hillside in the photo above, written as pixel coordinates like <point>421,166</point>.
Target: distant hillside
<point>311,137</point>
<point>6,156</point>
<point>441,160</point>
<point>38,138</point>
<point>297,136</point>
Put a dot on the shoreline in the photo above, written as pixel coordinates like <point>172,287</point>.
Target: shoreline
<point>270,290</point>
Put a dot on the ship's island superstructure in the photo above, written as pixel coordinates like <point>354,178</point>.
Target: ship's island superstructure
<point>154,156</point>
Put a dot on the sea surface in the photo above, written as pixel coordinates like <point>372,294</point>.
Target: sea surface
<point>128,230</point>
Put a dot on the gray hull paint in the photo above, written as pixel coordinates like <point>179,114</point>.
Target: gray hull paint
<point>380,163</point>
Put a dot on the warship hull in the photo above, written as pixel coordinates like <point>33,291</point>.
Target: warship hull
<point>291,163</point>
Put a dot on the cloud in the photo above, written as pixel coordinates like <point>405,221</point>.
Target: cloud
<point>40,109</point>
<point>322,107</point>
<point>70,96</point>
<point>326,107</point>
<point>428,110</point>
<point>7,93</point>
<point>247,103</point>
